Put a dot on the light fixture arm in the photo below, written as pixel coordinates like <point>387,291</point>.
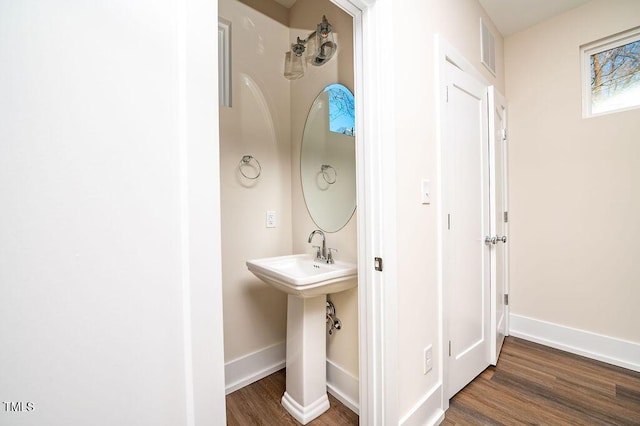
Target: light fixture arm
<point>309,37</point>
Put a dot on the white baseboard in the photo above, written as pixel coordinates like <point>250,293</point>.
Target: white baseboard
<point>428,411</point>
<point>252,367</point>
<point>595,346</point>
<point>344,386</point>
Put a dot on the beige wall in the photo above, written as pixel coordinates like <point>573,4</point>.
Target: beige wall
<point>270,8</point>
<point>258,124</point>
<point>575,198</point>
<point>342,347</point>
<point>415,24</point>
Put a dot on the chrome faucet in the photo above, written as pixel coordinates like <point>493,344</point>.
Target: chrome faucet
<point>320,255</point>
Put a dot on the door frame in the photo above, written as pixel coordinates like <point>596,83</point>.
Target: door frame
<point>375,183</point>
<point>497,98</point>
<point>445,53</point>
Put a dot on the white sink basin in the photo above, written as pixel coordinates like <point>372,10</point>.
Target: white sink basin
<point>301,276</point>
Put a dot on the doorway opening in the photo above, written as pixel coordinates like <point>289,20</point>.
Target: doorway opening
<point>367,302</point>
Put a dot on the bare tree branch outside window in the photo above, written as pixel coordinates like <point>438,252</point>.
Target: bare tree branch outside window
<point>341,110</point>
<point>615,72</point>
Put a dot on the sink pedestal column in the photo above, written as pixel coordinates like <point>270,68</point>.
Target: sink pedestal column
<point>305,397</point>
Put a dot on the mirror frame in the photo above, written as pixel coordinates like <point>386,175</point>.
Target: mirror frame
<point>332,182</point>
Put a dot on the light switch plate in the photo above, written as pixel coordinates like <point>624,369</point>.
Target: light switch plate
<point>425,191</point>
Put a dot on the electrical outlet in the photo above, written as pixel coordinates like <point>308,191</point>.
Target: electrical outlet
<point>428,359</point>
<point>271,219</point>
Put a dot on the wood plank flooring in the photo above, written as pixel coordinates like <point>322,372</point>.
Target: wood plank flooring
<point>259,404</point>
<point>537,385</point>
<point>532,384</point>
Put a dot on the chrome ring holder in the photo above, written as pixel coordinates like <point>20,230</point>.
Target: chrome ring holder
<point>246,161</point>
<point>327,176</point>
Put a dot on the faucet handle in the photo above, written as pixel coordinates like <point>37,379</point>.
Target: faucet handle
<point>330,255</point>
<point>318,252</point>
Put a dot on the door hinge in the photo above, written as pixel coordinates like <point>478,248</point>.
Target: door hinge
<point>449,347</point>
<point>504,135</point>
<point>377,263</point>
<point>447,89</point>
<point>506,217</point>
<point>506,300</point>
<point>449,221</point>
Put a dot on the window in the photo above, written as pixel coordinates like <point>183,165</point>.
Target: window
<point>611,74</point>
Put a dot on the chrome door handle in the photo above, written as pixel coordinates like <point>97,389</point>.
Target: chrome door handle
<point>495,240</point>
<point>490,240</point>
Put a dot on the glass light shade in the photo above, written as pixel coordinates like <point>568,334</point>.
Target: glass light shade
<point>326,49</point>
<point>311,50</point>
<point>294,66</point>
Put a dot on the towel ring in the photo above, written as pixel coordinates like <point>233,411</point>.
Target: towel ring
<point>245,161</point>
<point>327,176</point>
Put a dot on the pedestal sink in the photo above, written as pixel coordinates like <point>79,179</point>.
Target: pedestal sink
<point>307,283</point>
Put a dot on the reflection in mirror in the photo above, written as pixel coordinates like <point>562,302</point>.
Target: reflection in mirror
<point>327,159</point>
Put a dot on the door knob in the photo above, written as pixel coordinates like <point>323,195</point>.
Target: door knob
<point>494,240</point>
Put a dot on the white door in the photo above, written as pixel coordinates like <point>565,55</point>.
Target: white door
<point>466,257</point>
<point>499,219</point>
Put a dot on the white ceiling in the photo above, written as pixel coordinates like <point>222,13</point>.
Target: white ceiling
<point>511,16</point>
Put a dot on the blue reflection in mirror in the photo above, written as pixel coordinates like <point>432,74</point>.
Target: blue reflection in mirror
<point>342,117</point>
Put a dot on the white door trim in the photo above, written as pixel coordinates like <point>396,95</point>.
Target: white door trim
<point>497,99</point>
<point>375,150</point>
<point>200,228</point>
<point>507,225</point>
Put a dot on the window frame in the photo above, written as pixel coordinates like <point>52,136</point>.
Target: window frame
<point>620,39</point>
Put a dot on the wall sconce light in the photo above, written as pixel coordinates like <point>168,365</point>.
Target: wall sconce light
<point>317,49</point>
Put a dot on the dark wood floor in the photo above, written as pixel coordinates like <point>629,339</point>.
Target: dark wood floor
<point>536,385</point>
<point>532,384</point>
<point>259,404</point>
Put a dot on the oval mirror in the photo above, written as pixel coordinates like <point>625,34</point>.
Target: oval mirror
<point>328,159</point>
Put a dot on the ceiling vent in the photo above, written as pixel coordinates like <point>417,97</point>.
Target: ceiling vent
<point>487,48</point>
